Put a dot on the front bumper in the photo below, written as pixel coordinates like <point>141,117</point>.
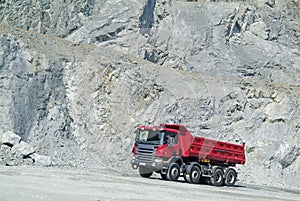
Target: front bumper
<point>156,164</point>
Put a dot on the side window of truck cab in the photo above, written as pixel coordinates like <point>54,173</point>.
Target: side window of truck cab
<point>171,138</point>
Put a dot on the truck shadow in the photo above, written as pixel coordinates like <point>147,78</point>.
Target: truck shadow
<point>204,184</point>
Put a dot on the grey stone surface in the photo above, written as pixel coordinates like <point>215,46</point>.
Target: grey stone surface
<point>3,153</point>
<point>47,17</point>
<point>10,138</point>
<point>41,160</point>
<point>23,149</point>
<point>228,70</point>
<point>8,157</point>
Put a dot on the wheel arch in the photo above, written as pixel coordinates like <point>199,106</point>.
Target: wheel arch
<point>176,159</point>
<point>228,169</point>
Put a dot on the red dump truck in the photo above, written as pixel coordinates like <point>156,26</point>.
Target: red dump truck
<point>172,151</point>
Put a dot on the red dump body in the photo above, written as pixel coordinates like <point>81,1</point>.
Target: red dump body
<point>204,148</point>
<point>218,151</point>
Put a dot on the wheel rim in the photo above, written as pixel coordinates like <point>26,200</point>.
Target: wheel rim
<point>195,174</point>
<point>230,178</point>
<point>218,178</point>
<point>174,172</point>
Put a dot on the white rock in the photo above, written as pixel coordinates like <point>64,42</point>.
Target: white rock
<point>10,138</point>
<point>23,148</point>
<point>259,29</point>
<point>41,160</point>
<point>282,111</point>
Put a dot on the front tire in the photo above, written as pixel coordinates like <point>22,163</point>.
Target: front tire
<point>173,172</point>
<point>145,172</point>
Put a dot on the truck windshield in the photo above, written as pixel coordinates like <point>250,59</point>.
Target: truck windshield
<point>156,137</point>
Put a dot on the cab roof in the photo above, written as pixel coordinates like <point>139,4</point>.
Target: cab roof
<point>168,127</point>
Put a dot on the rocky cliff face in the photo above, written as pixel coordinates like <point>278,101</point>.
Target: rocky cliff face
<point>58,18</point>
<point>227,70</point>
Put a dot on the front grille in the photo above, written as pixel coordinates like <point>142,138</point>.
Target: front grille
<point>145,153</point>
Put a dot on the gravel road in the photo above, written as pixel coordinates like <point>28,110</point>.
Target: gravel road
<point>35,184</point>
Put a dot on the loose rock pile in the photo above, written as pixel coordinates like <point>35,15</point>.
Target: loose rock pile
<point>14,151</point>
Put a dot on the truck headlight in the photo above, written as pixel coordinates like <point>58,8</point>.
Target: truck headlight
<point>157,160</point>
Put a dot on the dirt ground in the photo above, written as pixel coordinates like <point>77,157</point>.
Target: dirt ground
<point>34,184</point>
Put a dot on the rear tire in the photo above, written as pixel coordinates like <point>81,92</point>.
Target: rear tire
<point>217,178</point>
<point>173,172</point>
<point>230,177</point>
<point>145,172</point>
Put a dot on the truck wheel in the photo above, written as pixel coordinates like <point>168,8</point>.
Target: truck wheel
<point>173,172</point>
<point>195,175</point>
<point>217,178</point>
<point>145,172</point>
<point>230,177</point>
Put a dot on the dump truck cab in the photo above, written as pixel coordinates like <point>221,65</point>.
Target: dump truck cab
<point>156,147</point>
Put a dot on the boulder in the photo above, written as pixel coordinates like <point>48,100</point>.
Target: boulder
<point>23,148</point>
<point>9,138</point>
<point>259,29</point>
<point>41,160</point>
